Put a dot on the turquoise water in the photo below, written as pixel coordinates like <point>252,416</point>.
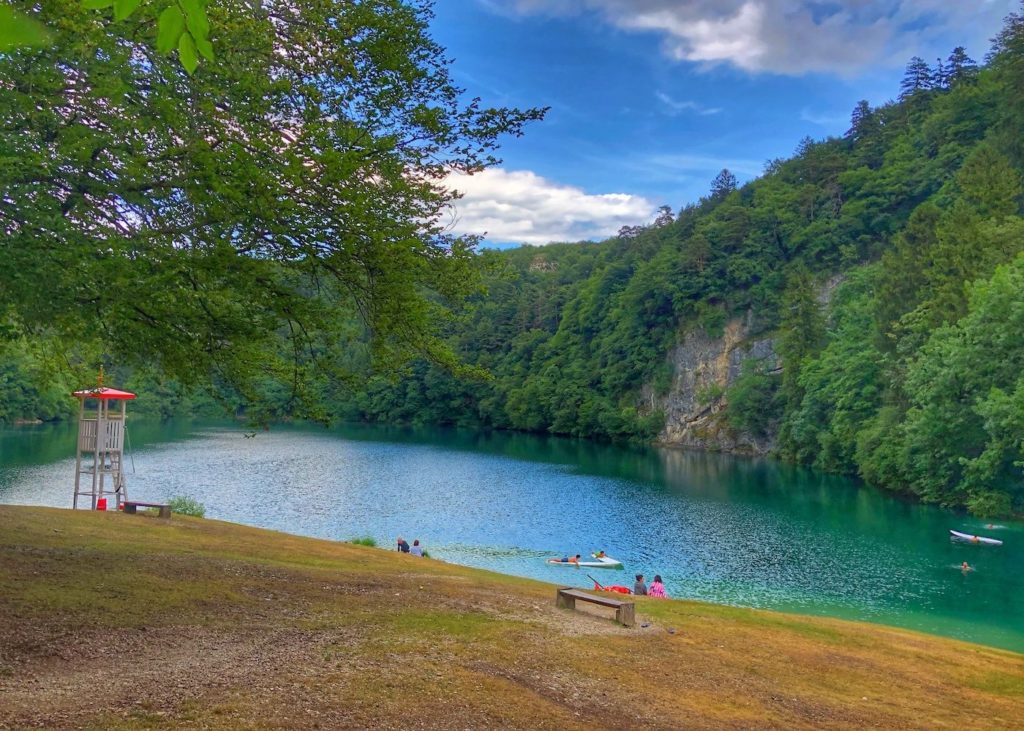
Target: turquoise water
<point>717,528</point>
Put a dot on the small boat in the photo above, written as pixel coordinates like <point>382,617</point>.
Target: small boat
<point>606,562</point>
<point>968,538</point>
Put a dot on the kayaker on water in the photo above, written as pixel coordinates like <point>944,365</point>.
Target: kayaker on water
<point>599,554</point>
<point>640,588</point>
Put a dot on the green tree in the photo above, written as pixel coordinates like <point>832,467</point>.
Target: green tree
<point>917,78</point>
<point>801,337</point>
<point>963,437</point>
<point>723,184</point>
<point>246,223</point>
<point>1007,62</point>
<point>959,67</point>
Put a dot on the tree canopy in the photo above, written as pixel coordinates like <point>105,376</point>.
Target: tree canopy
<point>249,222</point>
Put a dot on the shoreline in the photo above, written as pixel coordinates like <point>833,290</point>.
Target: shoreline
<point>1016,647</point>
<point>192,622</point>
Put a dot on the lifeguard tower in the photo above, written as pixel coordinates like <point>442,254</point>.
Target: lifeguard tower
<point>99,464</point>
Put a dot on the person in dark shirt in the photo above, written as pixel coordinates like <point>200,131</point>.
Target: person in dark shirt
<point>640,588</point>
<point>402,545</point>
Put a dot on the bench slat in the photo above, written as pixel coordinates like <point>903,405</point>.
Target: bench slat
<point>131,508</point>
<point>584,596</point>
<point>625,612</point>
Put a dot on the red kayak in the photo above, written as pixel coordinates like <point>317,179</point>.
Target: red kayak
<point>616,589</point>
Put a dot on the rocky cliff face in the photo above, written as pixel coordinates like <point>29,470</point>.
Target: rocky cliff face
<point>695,405</point>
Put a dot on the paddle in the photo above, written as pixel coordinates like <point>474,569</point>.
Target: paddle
<point>599,587</point>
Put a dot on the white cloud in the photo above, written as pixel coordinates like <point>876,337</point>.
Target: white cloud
<point>789,36</point>
<point>823,119</point>
<point>676,107</point>
<point>668,166</point>
<point>519,206</point>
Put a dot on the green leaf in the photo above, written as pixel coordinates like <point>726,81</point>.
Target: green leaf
<point>187,53</point>
<point>124,8</point>
<point>205,48</point>
<point>170,26</point>
<point>19,31</point>
<point>97,4</point>
<point>195,19</point>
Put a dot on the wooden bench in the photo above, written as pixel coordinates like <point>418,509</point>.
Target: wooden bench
<point>625,612</point>
<point>132,507</point>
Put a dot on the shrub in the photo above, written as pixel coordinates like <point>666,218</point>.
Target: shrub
<point>364,541</point>
<point>184,505</point>
<point>990,504</point>
<point>754,403</point>
<point>709,394</point>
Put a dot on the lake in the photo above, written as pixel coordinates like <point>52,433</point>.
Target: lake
<point>723,529</point>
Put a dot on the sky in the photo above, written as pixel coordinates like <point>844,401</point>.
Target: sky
<point>650,99</point>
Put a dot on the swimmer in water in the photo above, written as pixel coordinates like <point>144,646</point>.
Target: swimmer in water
<point>965,567</point>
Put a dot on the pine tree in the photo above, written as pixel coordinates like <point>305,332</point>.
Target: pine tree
<point>940,79</point>
<point>860,119</point>
<point>918,77</point>
<point>1007,61</point>
<point>665,217</point>
<point>959,67</point>
<point>1009,42</point>
<point>723,184</point>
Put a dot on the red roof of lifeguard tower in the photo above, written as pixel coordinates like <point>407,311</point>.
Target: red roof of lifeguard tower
<point>104,393</point>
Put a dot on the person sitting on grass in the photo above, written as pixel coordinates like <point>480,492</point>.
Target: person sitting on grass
<point>402,545</point>
<point>416,550</point>
<point>657,589</point>
<point>640,588</point>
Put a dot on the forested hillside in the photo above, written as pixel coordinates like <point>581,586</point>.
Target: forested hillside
<point>885,268</point>
<point>911,374</point>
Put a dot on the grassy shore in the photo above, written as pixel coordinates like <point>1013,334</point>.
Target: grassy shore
<point>110,621</point>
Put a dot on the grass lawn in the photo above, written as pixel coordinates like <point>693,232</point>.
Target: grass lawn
<point>109,621</point>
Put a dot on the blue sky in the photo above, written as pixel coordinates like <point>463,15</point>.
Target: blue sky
<point>651,98</point>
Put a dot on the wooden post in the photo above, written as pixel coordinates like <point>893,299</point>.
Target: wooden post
<point>78,453</point>
<point>564,601</point>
